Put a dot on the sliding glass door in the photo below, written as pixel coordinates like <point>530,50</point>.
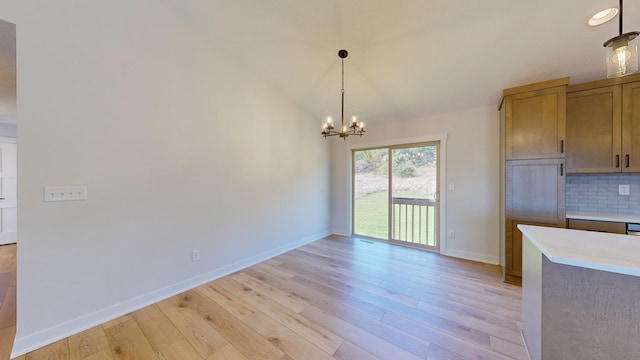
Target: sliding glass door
<point>371,193</point>
<point>395,194</point>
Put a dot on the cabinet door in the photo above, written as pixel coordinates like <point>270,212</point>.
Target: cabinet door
<point>535,124</point>
<point>513,251</point>
<point>535,191</point>
<point>631,127</point>
<point>594,130</point>
<point>534,195</point>
<point>596,225</point>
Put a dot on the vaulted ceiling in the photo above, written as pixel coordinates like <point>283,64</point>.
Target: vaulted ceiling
<point>407,58</point>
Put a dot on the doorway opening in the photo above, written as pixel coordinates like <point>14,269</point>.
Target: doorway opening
<point>8,187</point>
<point>396,194</point>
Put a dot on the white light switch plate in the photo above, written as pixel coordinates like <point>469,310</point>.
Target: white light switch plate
<point>65,193</point>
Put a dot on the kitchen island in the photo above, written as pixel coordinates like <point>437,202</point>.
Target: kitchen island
<point>580,294</point>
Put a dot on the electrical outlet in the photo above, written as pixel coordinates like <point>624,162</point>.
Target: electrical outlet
<point>452,234</point>
<point>195,255</point>
<point>452,187</point>
<point>623,189</point>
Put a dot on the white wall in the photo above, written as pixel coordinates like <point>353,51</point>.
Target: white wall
<point>472,164</point>
<point>180,149</point>
<point>8,130</point>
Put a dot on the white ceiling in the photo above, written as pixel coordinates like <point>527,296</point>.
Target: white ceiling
<point>407,58</point>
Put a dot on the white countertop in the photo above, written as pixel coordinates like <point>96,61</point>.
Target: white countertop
<point>602,216</point>
<point>593,250</point>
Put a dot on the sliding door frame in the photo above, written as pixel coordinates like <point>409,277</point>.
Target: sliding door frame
<point>400,143</point>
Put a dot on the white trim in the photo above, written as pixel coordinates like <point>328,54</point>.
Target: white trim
<point>342,232</point>
<point>526,348</point>
<point>30,342</point>
<point>8,238</point>
<point>442,138</point>
<point>483,258</point>
<point>11,237</point>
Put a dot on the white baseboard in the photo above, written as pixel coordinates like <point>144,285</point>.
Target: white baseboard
<point>30,342</point>
<point>8,238</point>
<point>484,258</point>
<point>342,232</point>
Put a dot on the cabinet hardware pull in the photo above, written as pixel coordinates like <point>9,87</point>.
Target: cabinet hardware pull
<point>561,146</point>
<point>561,169</point>
<point>617,161</point>
<point>627,161</point>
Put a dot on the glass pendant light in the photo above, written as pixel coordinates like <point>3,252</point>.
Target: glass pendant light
<point>622,52</point>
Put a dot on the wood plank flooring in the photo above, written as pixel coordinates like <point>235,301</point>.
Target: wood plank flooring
<point>337,298</point>
<point>7,298</point>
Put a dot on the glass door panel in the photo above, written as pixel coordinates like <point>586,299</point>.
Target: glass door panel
<point>371,193</point>
<point>414,195</point>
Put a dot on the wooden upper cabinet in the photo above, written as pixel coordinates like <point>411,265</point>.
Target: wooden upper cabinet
<point>594,130</point>
<point>535,118</point>
<point>603,126</point>
<point>631,127</point>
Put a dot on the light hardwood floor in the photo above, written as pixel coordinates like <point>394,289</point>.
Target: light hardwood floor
<point>7,298</point>
<point>337,298</point>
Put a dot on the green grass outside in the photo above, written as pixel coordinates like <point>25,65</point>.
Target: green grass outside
<point>371,215</point>
<point>371,219</point>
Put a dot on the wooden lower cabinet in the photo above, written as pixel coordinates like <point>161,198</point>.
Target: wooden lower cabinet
<point>513,250</point>
<point>596,225</point>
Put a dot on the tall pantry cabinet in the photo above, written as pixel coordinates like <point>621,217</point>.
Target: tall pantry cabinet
<point>533,120</point>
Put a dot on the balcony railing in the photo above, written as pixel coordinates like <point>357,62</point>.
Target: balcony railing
<point>414,221</point>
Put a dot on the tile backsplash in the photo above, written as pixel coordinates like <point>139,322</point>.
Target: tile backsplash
<point>599,192</point>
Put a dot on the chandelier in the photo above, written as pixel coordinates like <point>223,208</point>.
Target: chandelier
<point>356,128</point>
<point>622,52</point>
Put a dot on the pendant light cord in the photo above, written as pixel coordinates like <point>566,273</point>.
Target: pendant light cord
<point>342,115</point>
<point>620,18</point>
